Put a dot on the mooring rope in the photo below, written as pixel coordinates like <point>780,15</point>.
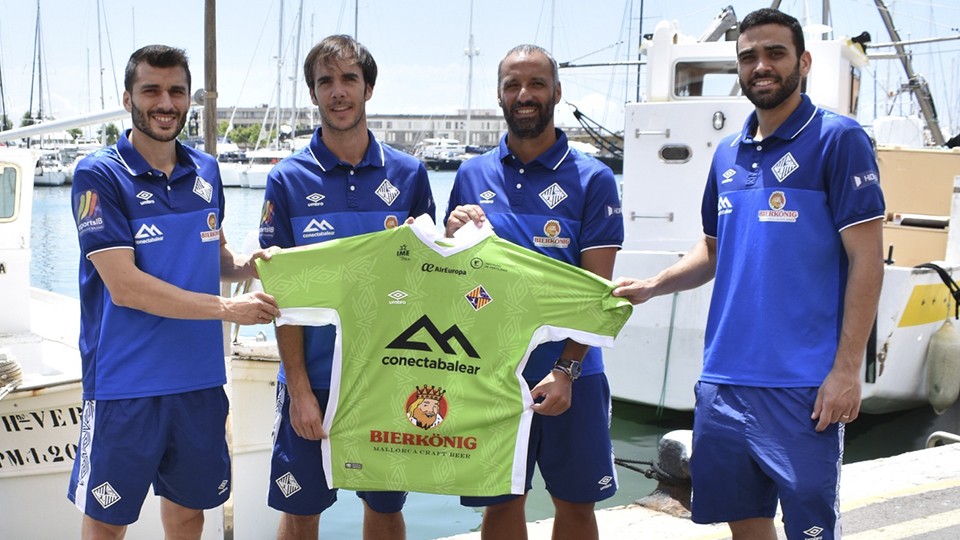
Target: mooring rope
<point>654,471</point>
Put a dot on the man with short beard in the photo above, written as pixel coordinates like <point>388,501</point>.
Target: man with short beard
<point>353,184</point>
<point>792,220</point>
<point>540,193</point>
<point>148,213</point>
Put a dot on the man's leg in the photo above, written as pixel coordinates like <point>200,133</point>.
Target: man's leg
<point>92,529</point>
<point>180,522</point>
<point>574,521</point>
<point>505,520</point>
<point>297,527</point>
<point>382,525</point>
<point>753,529</point>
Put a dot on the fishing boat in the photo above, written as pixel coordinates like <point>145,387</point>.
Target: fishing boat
<point>41,392</point>
<point>693,101</point>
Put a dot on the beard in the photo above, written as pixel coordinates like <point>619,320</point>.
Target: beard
<point>423,419</point>
<point>771,100</point>
<point>141,121</point>
<point>528,128</point>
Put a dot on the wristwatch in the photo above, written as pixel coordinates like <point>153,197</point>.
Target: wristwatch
<point>571,367</point>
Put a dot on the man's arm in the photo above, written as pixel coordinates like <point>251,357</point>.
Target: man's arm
<point>133,288</point>
<point>238,266</point>
<point>556,388</point>
<point>694,269</point>
<point>838,399</point>
<point>306,416</point>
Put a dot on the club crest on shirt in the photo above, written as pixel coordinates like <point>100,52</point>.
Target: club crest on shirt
<point>213,234</point>
<point>478,297</point>
<point>88,211</point>
<point>426,407</point>
<point>203,189</point>
<point>778,211</point>
<point>784,167</point>
<point>552,238</point>
<point>387,192</point>
<point>553,195</point>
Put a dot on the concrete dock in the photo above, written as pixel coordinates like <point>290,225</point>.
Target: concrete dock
<point>910,496</point>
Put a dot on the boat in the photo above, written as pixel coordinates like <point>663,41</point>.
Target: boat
<point>50,170</point>
<point>441,153</point>
<point>659,353</point>
<point>260,163</point>
<point>41,391</point>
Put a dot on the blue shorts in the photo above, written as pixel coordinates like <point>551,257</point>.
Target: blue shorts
<point>297,482</point>
<point>573,450</point>
<point>752,446</point>
<point>176,442</point>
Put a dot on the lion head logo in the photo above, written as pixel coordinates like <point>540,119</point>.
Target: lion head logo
<point>778,200</point>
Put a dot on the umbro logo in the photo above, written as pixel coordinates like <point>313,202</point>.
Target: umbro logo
<point>315,199</point>
<point>318,228</point>
<point>605,483</point>
<point>148,234</point>
<point>728,176</point>
<point>440,339</point>
<point>813,533</point>
<point>487,197</point>
<point>145,198</point>
<point>397,297</point>
<point>553,195</point>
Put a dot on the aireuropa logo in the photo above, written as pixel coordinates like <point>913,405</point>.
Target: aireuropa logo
<point>440,339</point>
<point>148,234</point>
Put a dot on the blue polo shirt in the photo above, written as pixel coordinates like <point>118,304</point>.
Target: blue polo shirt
<point>173,227</point>
<point>560,204</point>
<point>313,197</point>
<point>776,208</point>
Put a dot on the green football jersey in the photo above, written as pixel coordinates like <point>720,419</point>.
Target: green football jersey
<point>426,392</point>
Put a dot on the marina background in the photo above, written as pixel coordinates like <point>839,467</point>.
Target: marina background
<point>636,430</point>
<point>420,47</point>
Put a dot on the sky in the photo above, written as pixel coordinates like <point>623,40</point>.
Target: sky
<point>420,47</point>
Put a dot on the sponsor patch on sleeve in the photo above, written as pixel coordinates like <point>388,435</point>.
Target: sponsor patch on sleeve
<point>88,211</point>
<point>864,179</point>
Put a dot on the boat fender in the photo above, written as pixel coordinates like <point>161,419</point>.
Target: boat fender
<point>943,367</point>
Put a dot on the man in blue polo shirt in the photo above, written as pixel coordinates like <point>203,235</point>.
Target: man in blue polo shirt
<point>541,194</point>
<point>792,221</point>
<point>148,213</point>
<point>343,184</point>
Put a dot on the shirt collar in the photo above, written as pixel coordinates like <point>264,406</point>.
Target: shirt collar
<point>798,120</point>
<point>374,157</point>
<point>137,165</point>
<point>550,159</point>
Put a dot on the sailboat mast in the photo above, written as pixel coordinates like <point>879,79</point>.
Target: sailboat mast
<point>279,72</point>
<point>917,85</point>
<point>470,52</point>
<point>210,77</point>
<point>295,110</point>
<point>36,56</point>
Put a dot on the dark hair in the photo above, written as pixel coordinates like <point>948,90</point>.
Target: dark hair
<point>529,49</point>
<point>764,16</point>
<point>341,48</point>
<point>160,56</point>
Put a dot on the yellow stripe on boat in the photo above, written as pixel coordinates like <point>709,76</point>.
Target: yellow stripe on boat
<point>927,304</point>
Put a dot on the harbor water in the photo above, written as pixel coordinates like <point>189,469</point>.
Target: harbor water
<point>636,429</point>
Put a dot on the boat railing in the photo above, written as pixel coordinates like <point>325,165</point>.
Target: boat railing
<point>939,438</point>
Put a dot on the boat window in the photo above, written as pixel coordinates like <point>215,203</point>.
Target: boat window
<point>8,193</point>
<point>675,153</point>
<point>706,79</point>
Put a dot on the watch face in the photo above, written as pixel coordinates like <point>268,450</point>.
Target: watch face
<point>575,369</point>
